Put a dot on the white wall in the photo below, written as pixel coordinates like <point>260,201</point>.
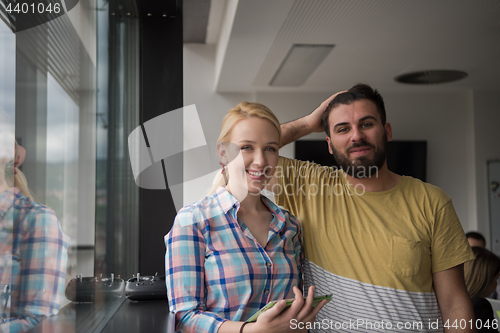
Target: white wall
<point>199,89</point>
<point>487,147</point>
<point>443,119</point>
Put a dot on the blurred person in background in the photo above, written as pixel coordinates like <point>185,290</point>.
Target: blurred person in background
<point>476,239</point>
<point>481,275</point>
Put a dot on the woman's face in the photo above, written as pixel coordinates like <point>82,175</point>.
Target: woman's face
<point>253,157</point>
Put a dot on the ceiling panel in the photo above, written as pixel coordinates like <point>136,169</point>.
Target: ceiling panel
<point>376,40</point>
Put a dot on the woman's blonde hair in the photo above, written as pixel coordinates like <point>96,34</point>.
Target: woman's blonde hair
<point>244,110</point>
<point>480,272</point>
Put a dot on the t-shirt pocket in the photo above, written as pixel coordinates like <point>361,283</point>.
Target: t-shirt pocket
<point>407,256</point>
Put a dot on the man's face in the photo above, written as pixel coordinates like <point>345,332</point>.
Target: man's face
<point>358,140</point>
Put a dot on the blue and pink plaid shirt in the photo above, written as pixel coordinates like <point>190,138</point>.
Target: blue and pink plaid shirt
<point>217,271</point>
<point>33,256</point>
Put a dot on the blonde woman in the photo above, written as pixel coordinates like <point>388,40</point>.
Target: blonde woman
<point>32,246</point>
<point>234,251</point>
<point>481,275</point>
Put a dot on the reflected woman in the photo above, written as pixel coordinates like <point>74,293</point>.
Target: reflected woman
<point>33,249</point>
<point>234,251</point>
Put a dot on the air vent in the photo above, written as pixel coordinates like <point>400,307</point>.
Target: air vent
<point>299,64</point>
<point>431,77</point>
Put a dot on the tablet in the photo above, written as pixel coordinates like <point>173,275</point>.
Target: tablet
<point>289,302</point>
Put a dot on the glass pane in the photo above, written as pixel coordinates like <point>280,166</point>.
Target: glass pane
<point>70,88</point>
<point>47,86</point>
<point>62,157</point>
<point>7,70</point>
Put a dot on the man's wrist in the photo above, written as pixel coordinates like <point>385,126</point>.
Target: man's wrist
<point>307,124</point>
<point>294,130</point>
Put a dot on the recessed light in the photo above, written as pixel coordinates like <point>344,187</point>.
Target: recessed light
<point>431,77</point>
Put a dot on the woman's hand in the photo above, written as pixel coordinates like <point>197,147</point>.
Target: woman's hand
<point>278,321</point>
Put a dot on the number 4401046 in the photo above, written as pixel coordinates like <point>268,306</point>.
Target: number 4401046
<point>477,324</point>
<point>39,8</point>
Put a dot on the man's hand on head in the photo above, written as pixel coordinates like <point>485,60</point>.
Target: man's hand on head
<point>313,119</point>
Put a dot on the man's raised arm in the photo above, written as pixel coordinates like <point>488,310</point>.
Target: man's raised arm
<point>294,130</point>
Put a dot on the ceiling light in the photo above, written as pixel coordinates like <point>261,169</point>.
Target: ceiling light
<point>431,77</point>
<point>299,64</point>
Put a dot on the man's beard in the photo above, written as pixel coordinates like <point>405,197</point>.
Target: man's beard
<point>362,167</point>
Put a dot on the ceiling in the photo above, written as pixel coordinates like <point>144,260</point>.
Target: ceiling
<point>375,41</point>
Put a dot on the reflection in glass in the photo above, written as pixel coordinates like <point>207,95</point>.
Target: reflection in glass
<point>48,79</point>
<point>7,70</point>
<point>62,157</point>
<point>70,88</point>
<point>33,248</point>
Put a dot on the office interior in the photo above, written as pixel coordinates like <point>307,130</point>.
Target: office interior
<point>77,85</point>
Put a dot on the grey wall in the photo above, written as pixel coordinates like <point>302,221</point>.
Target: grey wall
<point>487,147</point>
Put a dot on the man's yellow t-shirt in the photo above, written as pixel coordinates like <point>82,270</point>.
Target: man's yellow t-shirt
<point>375,251</point>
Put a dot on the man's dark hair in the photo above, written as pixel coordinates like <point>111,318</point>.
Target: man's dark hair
<point>476,235</point>
<point>356,93</point>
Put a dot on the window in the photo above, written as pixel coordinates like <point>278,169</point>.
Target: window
<point>71,87</point>
<point>73,109</point>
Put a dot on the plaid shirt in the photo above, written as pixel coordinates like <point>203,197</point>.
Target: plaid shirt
<point>32,262</point>
<point>217,271</point>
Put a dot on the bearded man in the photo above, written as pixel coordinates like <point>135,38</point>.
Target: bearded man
<point>390,248</point>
